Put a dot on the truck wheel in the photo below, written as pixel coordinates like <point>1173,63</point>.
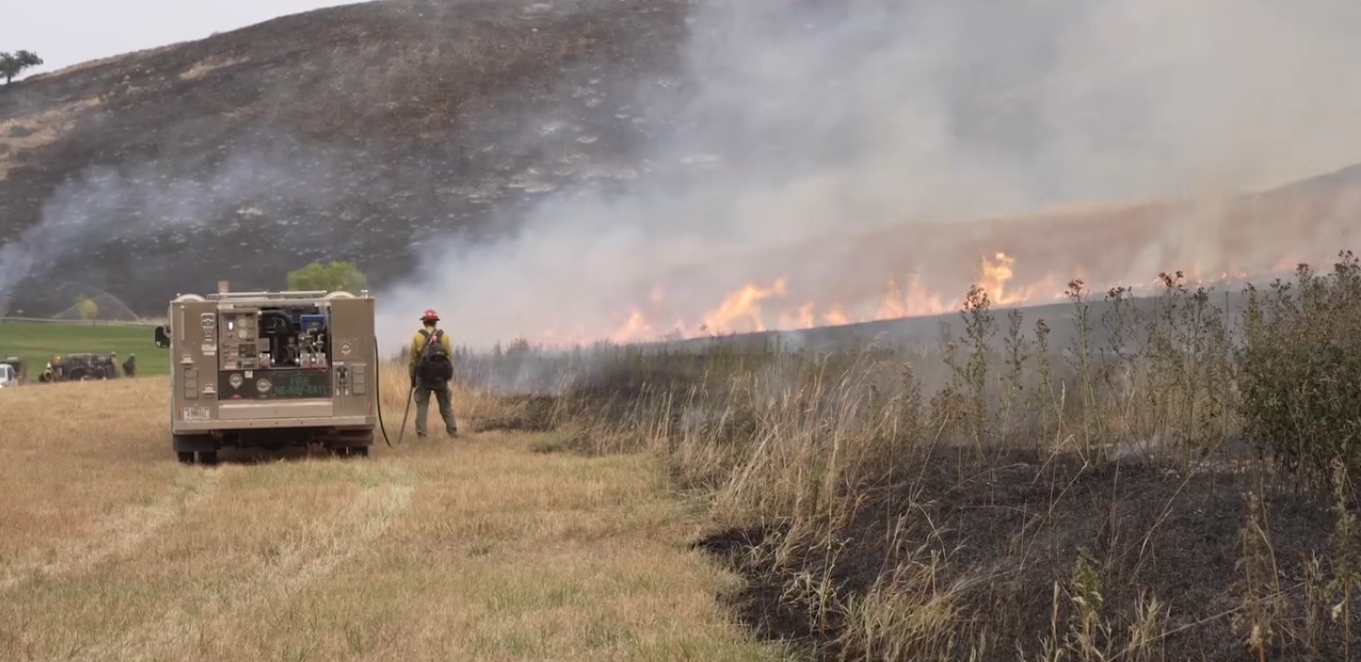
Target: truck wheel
<point>207,458</point>
<point>185,457</point>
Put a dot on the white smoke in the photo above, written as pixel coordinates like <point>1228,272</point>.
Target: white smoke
<point>147,203</point>
<point>830,118</point>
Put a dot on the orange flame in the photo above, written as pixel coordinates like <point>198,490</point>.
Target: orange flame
<point>740,305</point>
<point>742,310</point>
<point>803,318</point>
<point>636,326</point>
<point>835,316</point>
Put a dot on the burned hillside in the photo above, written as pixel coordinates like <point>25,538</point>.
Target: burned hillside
<point>344,133</point>
<point>839,162</point>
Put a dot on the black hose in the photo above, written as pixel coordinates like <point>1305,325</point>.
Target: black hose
<point>378,394</point>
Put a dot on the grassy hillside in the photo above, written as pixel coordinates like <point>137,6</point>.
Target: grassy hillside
<point>1104,245</point>
<point>36,342</point>
<point>343,133</point>
<point>365,131</point>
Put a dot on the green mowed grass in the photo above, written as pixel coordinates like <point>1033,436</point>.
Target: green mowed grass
<point>36,342</point>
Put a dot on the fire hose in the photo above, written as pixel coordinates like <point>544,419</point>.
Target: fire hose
<point>378,395</point>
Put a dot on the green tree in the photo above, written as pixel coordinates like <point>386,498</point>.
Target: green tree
<point>88,308</point>
<point>12,64</point>
<point>328,277</point>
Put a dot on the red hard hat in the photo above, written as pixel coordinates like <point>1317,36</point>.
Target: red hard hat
<point>430,314</point>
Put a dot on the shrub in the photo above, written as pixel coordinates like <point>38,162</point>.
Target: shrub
<point>328,277</point>
<point>1301,371</point>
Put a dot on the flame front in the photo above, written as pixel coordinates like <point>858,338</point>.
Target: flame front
<point>932,286</point>
<point>755,307</point>
<point>924,269</point>
<point>742,305</point>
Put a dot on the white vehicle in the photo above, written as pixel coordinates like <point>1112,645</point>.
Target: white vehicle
<point>8,378</point>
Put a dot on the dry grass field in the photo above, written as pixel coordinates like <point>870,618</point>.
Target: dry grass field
<point>477,548</point>
<point>1164,481</point>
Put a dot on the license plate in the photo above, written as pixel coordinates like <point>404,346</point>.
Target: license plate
<point>195,413</point>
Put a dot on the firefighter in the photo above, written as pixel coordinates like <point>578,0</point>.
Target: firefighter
<point>430,364</point>
<point>130,366</point>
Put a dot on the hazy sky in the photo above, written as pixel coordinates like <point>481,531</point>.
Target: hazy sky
<point>67,32</point>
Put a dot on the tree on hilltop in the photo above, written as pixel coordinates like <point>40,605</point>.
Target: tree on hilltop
<point>328,277</point>
<point>12,64</point>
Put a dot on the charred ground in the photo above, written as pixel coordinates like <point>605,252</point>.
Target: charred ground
<point>1007,529</point>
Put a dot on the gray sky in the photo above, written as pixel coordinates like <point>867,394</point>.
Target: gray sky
<point>67,32</point>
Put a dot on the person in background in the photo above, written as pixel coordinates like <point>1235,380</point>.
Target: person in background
<point>431,367</point>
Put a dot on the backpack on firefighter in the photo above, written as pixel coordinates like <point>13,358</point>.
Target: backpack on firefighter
<point>434,367</point>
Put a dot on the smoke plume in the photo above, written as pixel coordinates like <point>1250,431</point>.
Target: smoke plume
<point>811,121</point>
<point>140,206</point>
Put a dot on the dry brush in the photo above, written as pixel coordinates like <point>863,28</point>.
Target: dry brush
<point>1172,480</point>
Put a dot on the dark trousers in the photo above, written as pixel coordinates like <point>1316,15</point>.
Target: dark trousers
<point>446,408</point>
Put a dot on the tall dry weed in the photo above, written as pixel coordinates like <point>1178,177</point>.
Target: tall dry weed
<point>798,442</point>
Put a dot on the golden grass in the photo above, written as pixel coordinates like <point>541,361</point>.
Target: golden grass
<point>468,549</point>
<point>207,65</point>
<point>98,62</point>
<point>42,128</point>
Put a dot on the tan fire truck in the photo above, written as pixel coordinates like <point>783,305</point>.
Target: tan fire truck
<point>270,370</point>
